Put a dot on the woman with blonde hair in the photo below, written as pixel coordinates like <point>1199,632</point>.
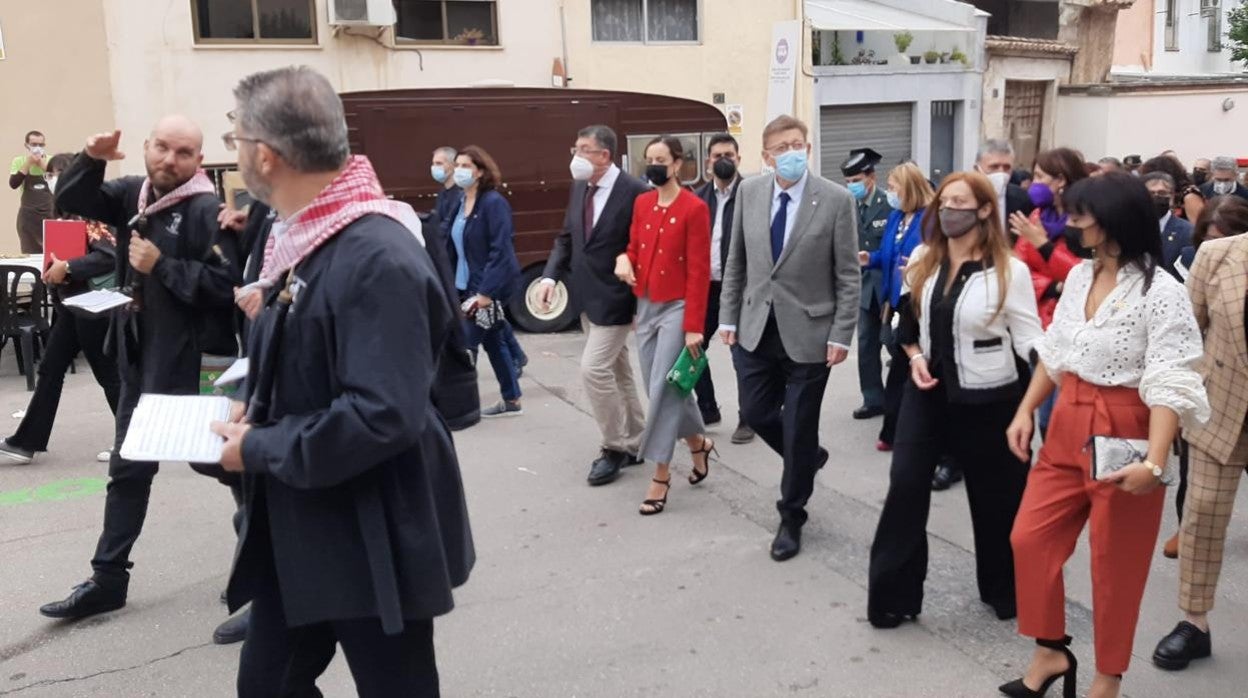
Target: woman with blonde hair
<point>967,332</point>
<point>909,193</point>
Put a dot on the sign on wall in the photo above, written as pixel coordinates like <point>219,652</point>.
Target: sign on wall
<point>786,56</point>
<point>735,113</point>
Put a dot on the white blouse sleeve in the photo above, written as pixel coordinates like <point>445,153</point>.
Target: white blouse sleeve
<point>1174,347</point>
<point>1021,314</point>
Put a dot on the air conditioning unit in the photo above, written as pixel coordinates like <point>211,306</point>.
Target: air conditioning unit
<point>361,13</point>
<point>1210,8</point>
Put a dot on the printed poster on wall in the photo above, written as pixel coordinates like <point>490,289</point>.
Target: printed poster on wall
<point>735,114</point>
<point>786,56</point>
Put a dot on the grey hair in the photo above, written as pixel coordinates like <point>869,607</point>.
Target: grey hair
<point>1225,163</point>
<point>297,113</point>
<point>447,152</point>
<point>1158,177</point>
<point>994,146</point>
<point>603,135</point>
<point>1111,160</point>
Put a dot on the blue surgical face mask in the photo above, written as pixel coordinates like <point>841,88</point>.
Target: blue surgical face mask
<point>858,189</point>
<point>463,177</point>
<point>894,199</point>
<point>791,165</point>
<point>439,173</point>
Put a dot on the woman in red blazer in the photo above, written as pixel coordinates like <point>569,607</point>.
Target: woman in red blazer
<point>668,264</point>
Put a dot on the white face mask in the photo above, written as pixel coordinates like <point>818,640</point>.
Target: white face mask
<point>1223,188</point>
<point>1000,180</point>
<point>581,168</point>
<point>51,184</point>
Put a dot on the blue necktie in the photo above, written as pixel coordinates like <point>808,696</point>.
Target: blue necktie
<point>778,224</point>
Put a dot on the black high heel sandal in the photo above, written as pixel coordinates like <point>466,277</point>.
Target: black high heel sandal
<point>706,449</point>
<point>656,505</point>
<point>1018,689</point>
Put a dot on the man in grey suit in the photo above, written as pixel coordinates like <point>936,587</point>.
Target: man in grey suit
<point>789,309</point>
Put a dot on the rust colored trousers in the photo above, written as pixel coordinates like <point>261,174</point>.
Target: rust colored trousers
<point>1060,498</point>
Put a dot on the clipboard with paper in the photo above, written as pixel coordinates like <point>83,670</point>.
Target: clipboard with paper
<point>176,428</point>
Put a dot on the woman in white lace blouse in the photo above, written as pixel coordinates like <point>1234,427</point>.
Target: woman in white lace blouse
<point>1122,346</point>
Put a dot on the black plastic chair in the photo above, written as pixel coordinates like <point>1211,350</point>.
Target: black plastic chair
<point>24,316</point>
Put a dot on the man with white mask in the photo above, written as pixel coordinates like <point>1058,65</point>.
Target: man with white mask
<point>995,160</point>
<point>595,232</point>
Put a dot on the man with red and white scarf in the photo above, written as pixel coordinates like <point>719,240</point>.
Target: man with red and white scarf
<point>356,528</point>
<point>182,271</point>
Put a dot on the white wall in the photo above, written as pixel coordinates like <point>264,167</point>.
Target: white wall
<point>156,67</point>
<point>838,87</point>
<point>1123,124</point>
<point>1192,58</point>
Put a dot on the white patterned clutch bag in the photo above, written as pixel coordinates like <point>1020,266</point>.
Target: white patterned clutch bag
<point>1111,454</point>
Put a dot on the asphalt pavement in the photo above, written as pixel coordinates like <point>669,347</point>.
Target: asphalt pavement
<point>574,593</point>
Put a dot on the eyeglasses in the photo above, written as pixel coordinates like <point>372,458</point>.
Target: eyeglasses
<point>231,141</point>
<point>782,148</point>
<point>583,151</point>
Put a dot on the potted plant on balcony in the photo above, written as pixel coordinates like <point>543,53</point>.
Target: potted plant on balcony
<point>931,57</point>
<point>902,41</point>
<point>957,56</point>
<point>471,37</point>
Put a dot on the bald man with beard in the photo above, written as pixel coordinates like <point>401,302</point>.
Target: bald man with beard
<point>181,270</point>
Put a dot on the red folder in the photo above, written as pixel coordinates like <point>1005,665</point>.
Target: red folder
<point>66,239</point>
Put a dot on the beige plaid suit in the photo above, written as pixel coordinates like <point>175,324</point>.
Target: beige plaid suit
<point>1218,284</point>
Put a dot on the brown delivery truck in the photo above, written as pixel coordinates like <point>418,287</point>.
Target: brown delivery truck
<point>530,132</point>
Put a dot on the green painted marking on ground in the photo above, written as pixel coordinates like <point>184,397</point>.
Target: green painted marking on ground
<point>55,491</point>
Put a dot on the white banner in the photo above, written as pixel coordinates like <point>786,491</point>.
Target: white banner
<point>786,48</point>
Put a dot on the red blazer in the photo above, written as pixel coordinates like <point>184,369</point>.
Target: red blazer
<point>670,249</point>
<point>1045,272</point>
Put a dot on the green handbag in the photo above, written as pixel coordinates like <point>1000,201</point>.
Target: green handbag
<point>686,372</point>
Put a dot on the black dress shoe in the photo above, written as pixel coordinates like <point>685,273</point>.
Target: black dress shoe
<point>888,621</point>
<point>87,599</point>
<point>866,412</point>
<point>1185,643</point>
<point>607,467</point>
<point>234,629</point>
<point>631,460</point>
<point>711,417</point>
<point>945,477</point>
<point>787,543</point>
<point>823,458</point>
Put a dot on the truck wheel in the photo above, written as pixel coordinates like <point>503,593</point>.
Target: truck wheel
<point>527,311</point>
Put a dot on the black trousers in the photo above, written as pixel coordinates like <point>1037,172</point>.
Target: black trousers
<point>929,426</point>
<point>705,389</point>
<point>781,400</point>
<point>125,503</point>
<point>70,334</point>
<point>278,661</point>
<point>894,384</point>
<point>870,366</point>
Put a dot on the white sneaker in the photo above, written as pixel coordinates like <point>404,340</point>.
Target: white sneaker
<point>104,456</point>
<point>13,454</point>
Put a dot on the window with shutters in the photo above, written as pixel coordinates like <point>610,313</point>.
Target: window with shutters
<point>254,21</point>
<point>1172,25</point>
<point>645,21</point>
<point>1213,13</point>
<point>454,22</point>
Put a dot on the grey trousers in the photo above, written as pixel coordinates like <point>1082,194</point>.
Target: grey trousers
<point>671,416</point>
<point>608,377</point>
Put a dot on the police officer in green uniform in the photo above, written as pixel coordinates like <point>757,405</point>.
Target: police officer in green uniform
<point>873,212</point>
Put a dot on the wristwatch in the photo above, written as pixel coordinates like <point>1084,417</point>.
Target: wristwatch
<point>1153,468</point>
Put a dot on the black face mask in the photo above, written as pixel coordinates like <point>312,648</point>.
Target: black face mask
<point>1074,241</point>
<point>724,169</point>
<point>657,174</point>
<point>1199,177</point>
<point>1161,205</point>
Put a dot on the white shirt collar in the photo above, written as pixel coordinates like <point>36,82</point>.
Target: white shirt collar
<point>608,178</point>
<point>1165,220</point>
<point>795,191</point>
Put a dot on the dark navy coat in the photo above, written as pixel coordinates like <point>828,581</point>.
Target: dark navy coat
<point>493,270</point>
<point>354,496</point>
<point>1176,236</point>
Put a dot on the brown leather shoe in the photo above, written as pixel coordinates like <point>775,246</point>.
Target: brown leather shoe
<point>1171,548</point>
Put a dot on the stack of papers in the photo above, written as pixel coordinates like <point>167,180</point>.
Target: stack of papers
<point>97,301</point>
<point>176,428</point>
